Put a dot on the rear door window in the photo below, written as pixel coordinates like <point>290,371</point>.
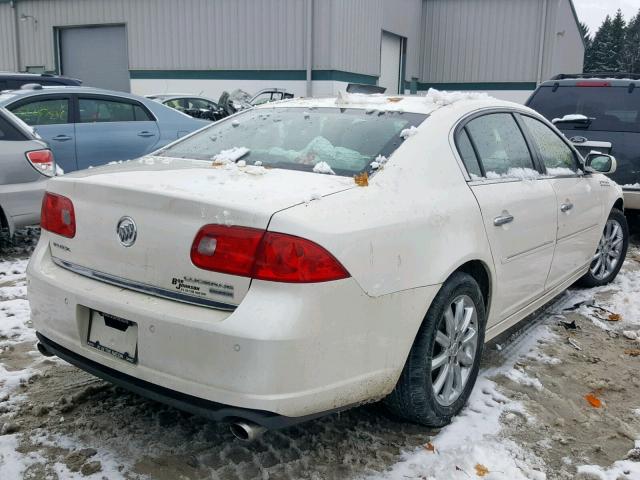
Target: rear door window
<point>96,110</point>
<point>501,147</point>
<point>556,155</point>
<point>53,111</point>
<point>615,109</point>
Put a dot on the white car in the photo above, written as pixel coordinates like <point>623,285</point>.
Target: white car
<point>242,273</point>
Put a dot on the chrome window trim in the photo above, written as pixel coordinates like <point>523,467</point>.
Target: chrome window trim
<point>142,287</point>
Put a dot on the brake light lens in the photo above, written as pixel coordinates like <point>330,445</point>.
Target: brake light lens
<point>593,84</point>
<point>57,215</point>
<point>42,161</point>
<point>262,255</point>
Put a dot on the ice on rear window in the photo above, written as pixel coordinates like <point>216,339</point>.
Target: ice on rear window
<point>556,171</point>
<point>519,173</point>
<point>342,141</point>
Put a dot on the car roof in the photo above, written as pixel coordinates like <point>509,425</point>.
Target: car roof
<point>47,90</point>
<point>424,104</point>
<point>177,96</point>
<point>612,79</point>
<point>29,75</point>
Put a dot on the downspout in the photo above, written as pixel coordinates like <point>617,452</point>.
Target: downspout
<point>16,23</point>
<point>543,36</point>
<point>309,47</point>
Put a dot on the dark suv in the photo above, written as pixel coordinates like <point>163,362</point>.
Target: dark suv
<point>598,111</point>
<point>13,81</point>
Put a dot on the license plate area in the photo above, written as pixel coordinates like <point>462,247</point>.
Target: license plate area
<point>113,335</point>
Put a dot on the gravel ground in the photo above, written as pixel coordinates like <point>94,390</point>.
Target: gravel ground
<point>530,415</point>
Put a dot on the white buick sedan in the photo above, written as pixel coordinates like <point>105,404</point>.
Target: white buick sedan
<point>311,255</point>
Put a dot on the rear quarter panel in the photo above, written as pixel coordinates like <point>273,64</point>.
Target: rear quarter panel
<point>21,186</point>
<point>414,224</point>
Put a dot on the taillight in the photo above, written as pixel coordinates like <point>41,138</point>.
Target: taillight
<point>262,255</point>
<point>593,84</point>
<point>57,215</point>
<point>42,161</point>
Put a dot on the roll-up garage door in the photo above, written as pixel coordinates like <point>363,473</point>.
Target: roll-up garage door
<point>96,55</point>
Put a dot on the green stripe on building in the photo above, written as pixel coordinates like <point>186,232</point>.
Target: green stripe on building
<point>319,75</point>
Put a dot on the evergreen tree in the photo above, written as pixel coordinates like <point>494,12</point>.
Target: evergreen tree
<point>618,31</point>
<point>632,46</point>
<point>599,55</point>
<point>586,34</point>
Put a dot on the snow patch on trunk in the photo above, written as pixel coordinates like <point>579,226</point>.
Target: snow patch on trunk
<point>231,155</point>
<point>442,98</point>
<point>408,132</point>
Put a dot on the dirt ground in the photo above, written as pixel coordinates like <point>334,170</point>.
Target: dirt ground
<point>58,422</point>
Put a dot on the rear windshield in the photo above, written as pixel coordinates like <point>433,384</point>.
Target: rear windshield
<point>612,109</point>
<point>326,140</point>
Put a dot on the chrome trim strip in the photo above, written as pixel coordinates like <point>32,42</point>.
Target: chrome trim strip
<point>575,234</point>
<point>141,287</point>
<point>529,251</point>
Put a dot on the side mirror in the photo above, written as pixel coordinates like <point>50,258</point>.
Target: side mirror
<point>597,162</point>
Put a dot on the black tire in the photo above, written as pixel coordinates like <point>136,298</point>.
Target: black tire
<point>413,398</point>
<point>590,280</point>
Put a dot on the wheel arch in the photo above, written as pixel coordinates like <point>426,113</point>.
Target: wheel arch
<point>5,221</point>
<point>480,272</point>
<point>619,204</point>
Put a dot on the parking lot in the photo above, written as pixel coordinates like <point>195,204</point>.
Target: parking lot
<point>527,418</point>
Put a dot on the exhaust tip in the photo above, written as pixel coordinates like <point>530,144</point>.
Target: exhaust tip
<point>246,431</point>
<point>43,350</point>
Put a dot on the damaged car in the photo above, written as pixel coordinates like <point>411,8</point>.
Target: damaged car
<point>304,257</point>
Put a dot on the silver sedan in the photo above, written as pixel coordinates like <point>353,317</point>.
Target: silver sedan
<point>27,163</point>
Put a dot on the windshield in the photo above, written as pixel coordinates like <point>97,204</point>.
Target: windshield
<point>325,140</point>
<point>612,109</point>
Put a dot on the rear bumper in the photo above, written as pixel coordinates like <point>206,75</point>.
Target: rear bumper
<point>198,406</point>
<point>631,199</point>
<point>293,350</point>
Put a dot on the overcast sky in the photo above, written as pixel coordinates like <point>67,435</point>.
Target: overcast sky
<point>592,12</point>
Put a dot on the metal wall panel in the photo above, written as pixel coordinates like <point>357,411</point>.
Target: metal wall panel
<point>564,48</point>
<point>179,34</point>
<point>7,44</point>
<point>480,40</point>
<point>448,41</point>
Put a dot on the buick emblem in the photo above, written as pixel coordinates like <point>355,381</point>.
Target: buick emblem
<point>127,231</point>
<point>578,139</point>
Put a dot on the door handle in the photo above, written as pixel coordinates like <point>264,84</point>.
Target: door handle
<point>146,134</point>
<point>502,219</point>
<point>565,207</point>
<point>61,138</point>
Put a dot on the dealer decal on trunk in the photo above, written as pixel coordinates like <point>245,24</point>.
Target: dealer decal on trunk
<point>201,288</point>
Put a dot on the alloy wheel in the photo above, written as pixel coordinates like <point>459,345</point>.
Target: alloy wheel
<point>454,353</point>
<point>609,250</point>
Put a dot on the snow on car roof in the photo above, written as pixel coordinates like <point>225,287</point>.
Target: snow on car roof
<point>426,104</point>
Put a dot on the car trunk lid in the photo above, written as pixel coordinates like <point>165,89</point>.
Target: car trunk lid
<point>169,200</point>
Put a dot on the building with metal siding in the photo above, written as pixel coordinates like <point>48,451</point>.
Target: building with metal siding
<point>206,46</point>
